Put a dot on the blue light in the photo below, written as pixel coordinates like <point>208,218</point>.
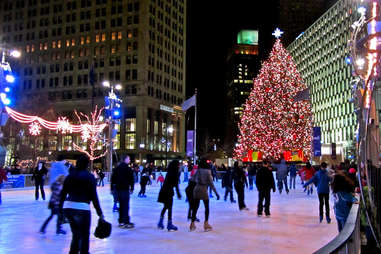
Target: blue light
<point>7,101</point>
<point>116,113</point>
<point>9,78</point>
<point>348,60</point>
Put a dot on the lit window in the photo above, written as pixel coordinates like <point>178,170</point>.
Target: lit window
<point>103,37</point>
<point>113,36</point>
<point>41,46</point>
<point>73,42</point>
<point>27,48</point>
<point>129,34</point>
<point>97,38</point>
<point>59,44</point>
<point>53,44</point>
<point>82,40</point>
<point>119,35</point>
<point>67,43</point>
<point>45,46</point>
<point>88,40</point>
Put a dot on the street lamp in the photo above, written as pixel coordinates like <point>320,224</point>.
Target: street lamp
<point>112,107</point>
<point>167,144</point>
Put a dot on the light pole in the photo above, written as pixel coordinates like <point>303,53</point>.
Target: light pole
<point>167,144</point>
<point>112,113</point>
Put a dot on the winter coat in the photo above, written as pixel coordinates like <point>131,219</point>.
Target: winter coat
<point>265,179</point>
<point>204,179</point>
<point>56,194</point>
<point>39,175</point>
<point>239,177</point>
<point>252,171</point>
<point>3,176</point>
<point>144,179</point>
<point>166,192</point>
<point>282,171</point>
<point>122,178</point>
<point>343,204</point>
<point>59,168</point>
<point>190,188</point>
<point>322,180</point>
<point>227,179</point>
<point>292,169</point>
<point>306,173</point>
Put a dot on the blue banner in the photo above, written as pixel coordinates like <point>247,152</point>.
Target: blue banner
<point>190,138</point>
<point>14,181</point>
<point>316,143</point>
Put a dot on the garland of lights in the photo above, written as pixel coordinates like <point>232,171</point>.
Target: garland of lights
<point>62,125</point>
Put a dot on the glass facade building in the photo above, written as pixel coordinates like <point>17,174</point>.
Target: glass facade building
<point>320,55</point>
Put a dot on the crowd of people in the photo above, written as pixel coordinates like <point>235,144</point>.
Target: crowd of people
<point>74,188</point>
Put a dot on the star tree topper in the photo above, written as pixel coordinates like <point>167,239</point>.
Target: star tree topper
<point>277,33</point>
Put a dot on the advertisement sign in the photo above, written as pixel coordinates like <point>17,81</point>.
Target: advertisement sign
<point>14,181</point>
<point>316,143</point>
<point>190,137</point>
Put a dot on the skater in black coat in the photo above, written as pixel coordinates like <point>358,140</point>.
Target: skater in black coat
<point>166,194</point>
<point>227,183</point>
<point>39,176</point>
<point>240,181</point>
<point>265,182</point>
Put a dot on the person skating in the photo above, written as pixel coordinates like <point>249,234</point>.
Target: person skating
<point>281,176</point>
<point>101,176</point>
<point>251,173</point>
<point>122,179</point>
<point>203,178</point>
<point>3,178</point>
<point>227,183</point>
<point>160,179</point>
<point>265,182</point>
<point>342,187</point>
<point>144,179</point>
<point>322,179</point>
<point>79,189</point>
<point>54,202</point>
<point>191,201</point>
<point>293,171</point>
<point>166,194</point>
<point>306,173</point>
<point>240,181</point>
<point>39,175</point>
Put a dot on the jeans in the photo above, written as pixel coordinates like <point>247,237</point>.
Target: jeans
<point>280,185</point>
<point>324,200</point>
<point>79,221</point>
<point>240,189</point>
<point>340,223</point>
<point>54,211</point>
<point>229,190</point>
<point>124,205</point>
<point>292,182</point>
<point>101,182</point>
<point>251,181</point>
<point>186,177</point>
<point>266,196</point>
<point>39,185</point>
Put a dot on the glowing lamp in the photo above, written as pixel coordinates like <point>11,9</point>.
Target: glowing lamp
<point>7,101</point>
<point>118,87</point>
<point>106,83</point>
<point>7,89</point>
<point>116,113</point>
<point>9,78</point>
<point>361,10</point>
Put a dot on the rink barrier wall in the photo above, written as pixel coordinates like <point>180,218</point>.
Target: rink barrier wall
<point>348,241</point>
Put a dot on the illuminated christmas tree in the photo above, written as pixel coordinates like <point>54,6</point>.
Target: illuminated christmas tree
<point>272,122</point>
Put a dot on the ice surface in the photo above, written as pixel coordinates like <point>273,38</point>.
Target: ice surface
<point>292,228</point>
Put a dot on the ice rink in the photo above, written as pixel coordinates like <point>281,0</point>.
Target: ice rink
<point>292,228</point>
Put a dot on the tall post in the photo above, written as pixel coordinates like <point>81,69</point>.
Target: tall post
<point>195,129</point>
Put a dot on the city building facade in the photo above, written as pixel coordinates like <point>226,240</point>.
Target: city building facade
<point>320,54</point>
<point>70,47</point>
<point>243,65</point>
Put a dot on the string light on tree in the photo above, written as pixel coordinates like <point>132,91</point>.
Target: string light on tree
<point>272,122</point>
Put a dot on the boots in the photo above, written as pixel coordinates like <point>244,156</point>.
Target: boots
<point>192,226</point>
<point>207,227</point>
<point>170,226</point>
<point>160,225</point>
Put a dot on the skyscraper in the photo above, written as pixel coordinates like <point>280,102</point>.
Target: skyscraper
<point>243,65</point>
<point>138,44</point>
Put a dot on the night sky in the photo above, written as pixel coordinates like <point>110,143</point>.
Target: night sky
<point>212,27</point>
<point>211,31</point>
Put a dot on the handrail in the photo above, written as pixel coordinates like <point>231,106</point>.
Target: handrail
<point>348,240</point>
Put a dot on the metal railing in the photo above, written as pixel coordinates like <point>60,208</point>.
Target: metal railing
<point>349,239</point>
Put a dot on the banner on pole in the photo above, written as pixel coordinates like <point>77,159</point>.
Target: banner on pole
<point>190,137</point>
<point>316,143</point>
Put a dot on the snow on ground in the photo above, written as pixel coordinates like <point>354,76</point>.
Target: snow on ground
<point>292,228</point>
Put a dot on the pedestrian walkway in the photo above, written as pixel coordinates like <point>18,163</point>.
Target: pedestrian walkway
<point>292,228</point>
